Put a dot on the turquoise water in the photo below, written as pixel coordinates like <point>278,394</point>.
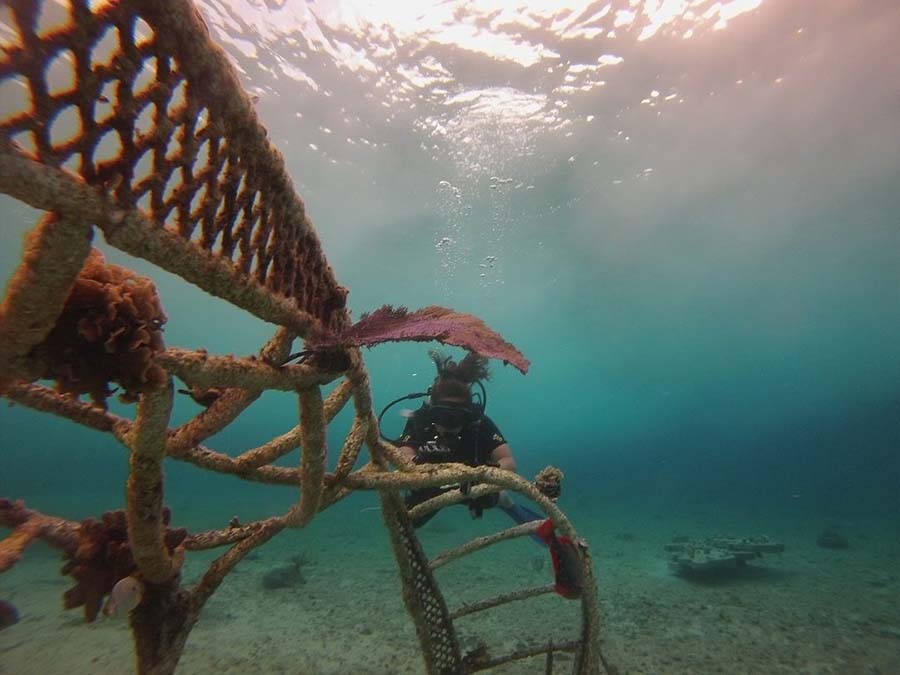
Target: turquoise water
<point>685,214</point>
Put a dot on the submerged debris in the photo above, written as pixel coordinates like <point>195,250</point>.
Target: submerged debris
<point>286,576</point>
<point>477,655</point>
<point>831,538</point>
<point>698,557</point>
<point>8,615</point>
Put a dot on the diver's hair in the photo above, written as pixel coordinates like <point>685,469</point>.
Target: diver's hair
<point>454,380</point>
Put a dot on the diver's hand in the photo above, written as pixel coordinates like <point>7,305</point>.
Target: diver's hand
<point>479,504</point>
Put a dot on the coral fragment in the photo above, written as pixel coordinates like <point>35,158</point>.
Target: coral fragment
<point>109,332</point>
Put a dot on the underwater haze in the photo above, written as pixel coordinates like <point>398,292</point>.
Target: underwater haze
<point>685,213</point>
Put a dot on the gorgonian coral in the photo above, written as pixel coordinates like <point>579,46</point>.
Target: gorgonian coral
<point>390,324</point>
<point>108,332</point>
<point>102,558</point>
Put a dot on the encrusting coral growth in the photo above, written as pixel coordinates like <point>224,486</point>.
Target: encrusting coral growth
<point>97,552</point>
<point>109,332</point>
<point>103,557</point>
<point>548,482</point>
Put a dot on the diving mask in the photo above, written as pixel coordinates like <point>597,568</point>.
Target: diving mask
<point>451,416</point>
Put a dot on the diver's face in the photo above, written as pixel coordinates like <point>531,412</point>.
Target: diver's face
<point>446,427</point>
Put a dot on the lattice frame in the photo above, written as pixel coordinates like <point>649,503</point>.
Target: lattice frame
<point>173,136</point>
<point>227,219</point>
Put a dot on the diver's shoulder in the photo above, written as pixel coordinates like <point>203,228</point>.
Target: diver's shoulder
<point>487,418</point>
<point>419,416</point>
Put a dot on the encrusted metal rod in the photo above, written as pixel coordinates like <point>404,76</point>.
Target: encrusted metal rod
<point>450,498</point>
<point>590,658</point>
<point>204,370</point>
<point>229,535</point>
<point>333,494</point>
<point>205,458</point>
<point>362,400</point>
<point>335,490</point>
<point>52,189</point>
<point>222,412</point>
<point>350,450</point>
<point>483,542</point>
<point>281,445</point>
<point>39,397</point>
<point>232,402</point>
<point>504,598</point>
<point>138,236</point>
<point>269,452</point>
<point>222,565</point>
<point>55,252</point>
<point>312,457</point>
<point>425,475</point>
<point>12,546</point>
<point>365,424</point>
<point>386,450</point>
<point>359,376</point>
<point>524,653</point>
<point>44,399</point>
<point>337,399</point>
<point>28,525</point>
<point>48,188</point>
<point>278,348</point>
<point>144,493</point>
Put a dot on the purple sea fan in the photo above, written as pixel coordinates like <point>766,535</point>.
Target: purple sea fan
<point>390,324</point>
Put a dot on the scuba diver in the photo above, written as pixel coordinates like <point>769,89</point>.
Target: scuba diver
<point>452,427</point>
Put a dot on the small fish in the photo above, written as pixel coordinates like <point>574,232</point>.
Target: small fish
<point>125,596</point>
<point>8,615</point>
<point>201,396</point>
<point>567,563</point>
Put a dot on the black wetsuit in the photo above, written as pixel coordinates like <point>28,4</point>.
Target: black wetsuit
<point>472,446</point>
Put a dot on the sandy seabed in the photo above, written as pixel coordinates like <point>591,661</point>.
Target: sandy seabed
<point>808,610</point>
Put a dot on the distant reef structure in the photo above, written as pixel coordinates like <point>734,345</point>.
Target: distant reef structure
<point>713,555</point>
<point>831,537</point>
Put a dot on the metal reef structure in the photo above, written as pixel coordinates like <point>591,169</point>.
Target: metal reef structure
<point>155,145</point>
